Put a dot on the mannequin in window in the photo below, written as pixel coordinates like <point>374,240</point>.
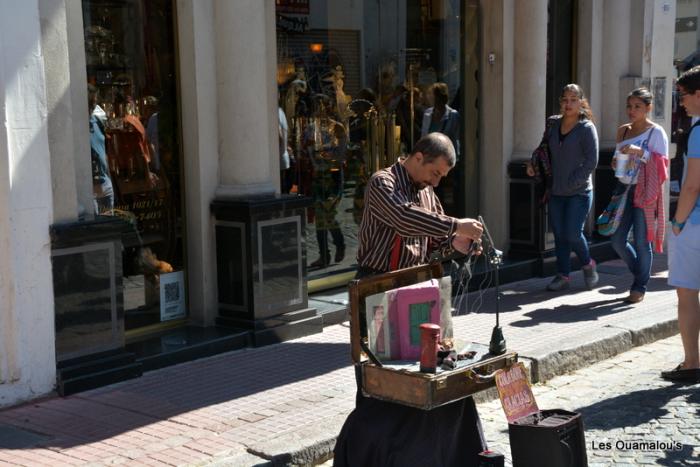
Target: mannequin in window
<point>295,90</point>
<point>342,101</point>
<point>327,145</point>
<point>101,180</point>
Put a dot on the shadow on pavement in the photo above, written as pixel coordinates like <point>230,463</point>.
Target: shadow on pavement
<point>656,284</point>
<point>677,458</point>
<point>634,408</point>
<point>277,376</point>
<point>572,313</point>
<point>640,407</point>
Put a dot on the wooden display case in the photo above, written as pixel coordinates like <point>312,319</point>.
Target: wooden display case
<point>404,384</point>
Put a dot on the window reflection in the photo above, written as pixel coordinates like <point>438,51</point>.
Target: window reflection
<point>357,83</point>
<point>686,55</point>
<point>129,50</point>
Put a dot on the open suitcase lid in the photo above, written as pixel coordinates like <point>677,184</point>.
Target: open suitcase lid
<point>359,289</point>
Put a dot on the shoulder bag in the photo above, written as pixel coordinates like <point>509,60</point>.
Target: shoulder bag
<point>608,222</point>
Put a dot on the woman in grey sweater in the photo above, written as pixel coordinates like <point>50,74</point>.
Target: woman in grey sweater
<point>573,150</point>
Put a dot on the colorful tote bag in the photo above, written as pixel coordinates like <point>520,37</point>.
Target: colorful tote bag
<point>608,222</point>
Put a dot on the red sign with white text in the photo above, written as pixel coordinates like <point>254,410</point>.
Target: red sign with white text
<point>515,392</point>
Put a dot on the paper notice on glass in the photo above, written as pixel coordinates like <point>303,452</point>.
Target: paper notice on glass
<point>172,296</point>
<point>515,392</point>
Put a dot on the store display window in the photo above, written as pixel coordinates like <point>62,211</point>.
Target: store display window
<point>359,83</point>
<point>135,155</point>
<point>686,55</point>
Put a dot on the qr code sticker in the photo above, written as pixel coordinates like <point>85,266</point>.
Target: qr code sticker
<point>172,292</point>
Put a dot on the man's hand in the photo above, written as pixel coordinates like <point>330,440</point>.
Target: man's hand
<point>632,150</point>
<point>469,228</point>
<point>463,244</point>
<point>529,169</point>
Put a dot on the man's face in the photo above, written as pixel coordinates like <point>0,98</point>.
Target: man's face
<point>689,100</point>
<point>429,173</point>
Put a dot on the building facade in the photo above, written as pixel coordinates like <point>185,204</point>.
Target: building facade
<point>186,215</point>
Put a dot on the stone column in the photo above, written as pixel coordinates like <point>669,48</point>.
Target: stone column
<point>246,63</point>
<point>523,225</point>
<point>54,42</point>
<point>616,58</point>
<point>260,250</point>
<point>79,97</point>
<point>590,47</point>
<point>27,354</point>
<point>200,134</point>
<point>496,136</point>
<point>529,85</point>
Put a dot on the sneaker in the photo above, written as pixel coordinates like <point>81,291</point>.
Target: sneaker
<point>590,274</point>
<point>682,375</point>
<point>635,296</point>
<point>560,282</point>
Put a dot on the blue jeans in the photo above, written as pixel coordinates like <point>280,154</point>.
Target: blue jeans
<point>567,215</point>
<point>638,256</point>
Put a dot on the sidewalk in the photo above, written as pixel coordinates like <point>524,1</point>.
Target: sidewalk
<point>284,404</point>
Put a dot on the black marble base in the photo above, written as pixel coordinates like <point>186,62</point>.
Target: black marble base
<point>287,332</point>
<point>335,316</point>
<point>284,319</point>
<point>283,327</point>
<point>87,286</point>
<point>529,230</point>
<point>95,370</point>
<point>261,267</point>
<point>185,344</point>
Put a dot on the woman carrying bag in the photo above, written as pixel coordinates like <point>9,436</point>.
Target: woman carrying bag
<point>684,241</point>
<point>572,146</point>
<point>641,166</point>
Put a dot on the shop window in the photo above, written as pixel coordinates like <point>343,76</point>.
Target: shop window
<point>686,55</point>
<point>358,84</point>
<point>130,57</point>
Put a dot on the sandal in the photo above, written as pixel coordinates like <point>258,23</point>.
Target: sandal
<point>680,374</point>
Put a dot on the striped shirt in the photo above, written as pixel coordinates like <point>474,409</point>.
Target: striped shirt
<point>395,206</point>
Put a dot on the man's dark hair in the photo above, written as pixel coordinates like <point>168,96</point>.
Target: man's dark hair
<point>690,80</point>
<point>441,93</point>
<point>434,145</point>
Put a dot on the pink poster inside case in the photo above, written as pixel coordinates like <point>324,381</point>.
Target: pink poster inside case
<point>415,305</point>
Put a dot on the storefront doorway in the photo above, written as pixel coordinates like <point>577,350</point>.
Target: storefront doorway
<point>136,157</point>
<point>561,49</point>
<point>358,83</point>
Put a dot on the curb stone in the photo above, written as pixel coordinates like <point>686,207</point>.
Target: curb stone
<point>650,330</point>
<point>548,365</point>
<point>308,445</point>
<point>239,459</point>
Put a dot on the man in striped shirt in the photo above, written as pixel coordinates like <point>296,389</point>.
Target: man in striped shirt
<point>403,221</point>
<point>400,204</point>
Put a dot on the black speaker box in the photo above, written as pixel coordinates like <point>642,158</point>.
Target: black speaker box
<point>548,438</point>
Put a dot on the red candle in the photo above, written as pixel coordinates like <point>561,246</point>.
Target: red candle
<point>429,339</point>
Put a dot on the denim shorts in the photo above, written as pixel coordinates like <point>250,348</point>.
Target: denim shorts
<point>684,257</point>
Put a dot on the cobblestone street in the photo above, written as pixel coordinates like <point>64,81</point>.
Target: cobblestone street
<point>623,401</point>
